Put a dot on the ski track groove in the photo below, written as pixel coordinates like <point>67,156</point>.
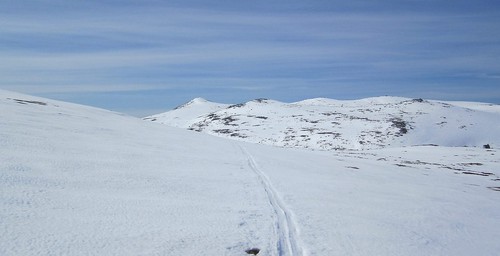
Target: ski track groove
<point>288,243</point>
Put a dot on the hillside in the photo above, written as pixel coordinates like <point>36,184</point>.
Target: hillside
<point>77,180</point>
<point>325,124</point>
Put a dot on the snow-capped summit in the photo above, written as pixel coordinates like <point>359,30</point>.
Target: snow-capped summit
<point>187,111</point>
<point>198,100</point>
<point>328,124</point>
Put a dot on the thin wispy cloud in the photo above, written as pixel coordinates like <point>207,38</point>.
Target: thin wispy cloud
<point>330,47</point>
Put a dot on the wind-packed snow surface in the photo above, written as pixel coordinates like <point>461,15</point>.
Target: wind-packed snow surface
<point>77,180</point>
<point>325,124</point>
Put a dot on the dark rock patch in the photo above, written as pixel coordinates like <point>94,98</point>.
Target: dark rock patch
<point>478,173</point>
<point>253,251</point>
<point>24,102</point>
<point>400,124</point>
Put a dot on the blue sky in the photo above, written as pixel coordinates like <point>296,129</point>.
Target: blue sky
<point>145,57</point>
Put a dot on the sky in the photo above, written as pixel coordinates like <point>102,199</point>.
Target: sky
<point>144,57</point>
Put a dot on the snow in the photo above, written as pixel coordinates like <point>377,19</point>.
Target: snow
<point>480,106</point>
<point>326,124</point>
<point>79,181</point>
<point>76,180</point>
<point>365,204</point>
<point>187,111</point>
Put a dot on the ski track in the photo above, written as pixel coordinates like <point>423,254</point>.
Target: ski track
<point>287,238</point>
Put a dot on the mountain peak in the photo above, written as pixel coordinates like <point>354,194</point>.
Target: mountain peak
<point>194,101</point>
<point>261,100</point>
<point>199,100</point>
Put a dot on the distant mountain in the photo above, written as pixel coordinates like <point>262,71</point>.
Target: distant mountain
<point>326,124</point>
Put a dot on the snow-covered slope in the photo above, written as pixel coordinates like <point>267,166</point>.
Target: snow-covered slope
<point>358,124</point>
<point>77,180</point>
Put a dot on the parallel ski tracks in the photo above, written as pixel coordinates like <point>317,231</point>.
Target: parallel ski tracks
<point>286,231</point>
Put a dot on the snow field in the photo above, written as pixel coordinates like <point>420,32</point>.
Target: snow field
<point>76,180</point>
<point>358,204</point>
<point>81,181</point>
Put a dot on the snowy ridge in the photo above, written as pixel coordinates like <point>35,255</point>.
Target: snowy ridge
<point>326,124</point>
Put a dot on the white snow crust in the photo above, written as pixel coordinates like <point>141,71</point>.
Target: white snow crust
<point>76,180</point>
